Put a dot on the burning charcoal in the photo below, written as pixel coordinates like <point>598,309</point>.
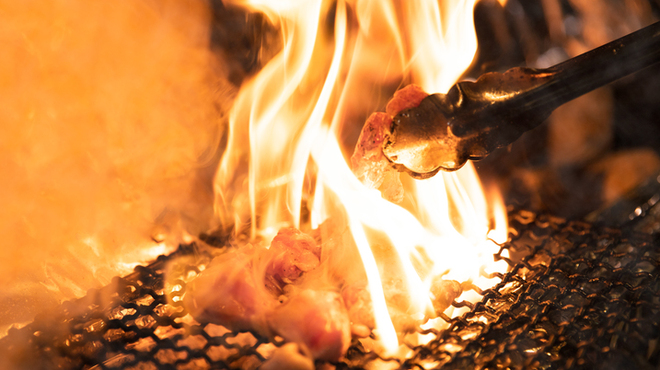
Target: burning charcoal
<point>289,356</point>
<point>229,293</point>
<point>443,293</point>
<point>291,254</point>
<point>368,161</point>
<point>317,320</point>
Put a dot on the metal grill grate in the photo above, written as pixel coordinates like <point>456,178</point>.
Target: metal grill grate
<point>575,297</point>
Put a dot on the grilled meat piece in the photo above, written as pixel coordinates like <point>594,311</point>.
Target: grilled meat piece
<point>369,163</point>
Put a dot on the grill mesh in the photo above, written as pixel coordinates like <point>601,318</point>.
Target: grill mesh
<point>576,296</point>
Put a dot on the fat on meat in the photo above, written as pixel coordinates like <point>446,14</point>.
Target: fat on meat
<point>316,319</point>
<point>368,162</point>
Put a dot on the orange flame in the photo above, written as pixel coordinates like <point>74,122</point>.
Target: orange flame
<point>286,124</point>
<point>107,116</point>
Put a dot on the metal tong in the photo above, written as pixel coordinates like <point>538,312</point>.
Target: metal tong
<point>475,118</point>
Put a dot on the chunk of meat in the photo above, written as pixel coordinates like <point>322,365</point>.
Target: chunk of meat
<point>230,294</point>
<point>360,309</point>
<point>408,97</point>
<point>392,188</point>
<point>368,161</point>
<point>291,254</point>
<point>316,319</point>
<point>289,357</point>
<point>234,292</point>
<point>443,293</point>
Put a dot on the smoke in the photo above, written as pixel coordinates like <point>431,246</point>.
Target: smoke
<point>110,119</point>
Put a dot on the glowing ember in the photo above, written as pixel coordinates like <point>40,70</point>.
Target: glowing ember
<point>285,125</point>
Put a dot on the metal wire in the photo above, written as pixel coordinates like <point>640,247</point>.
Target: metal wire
<point>576,296</point>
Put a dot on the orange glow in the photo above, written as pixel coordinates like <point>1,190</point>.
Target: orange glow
<point>107,115</point>
<point>286,124</point>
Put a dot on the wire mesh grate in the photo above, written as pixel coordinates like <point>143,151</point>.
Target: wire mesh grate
<point>576,296</point>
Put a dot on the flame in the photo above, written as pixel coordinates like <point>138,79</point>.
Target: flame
<point>108,116</point>
<point>287,122</point>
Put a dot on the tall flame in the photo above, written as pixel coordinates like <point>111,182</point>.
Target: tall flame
<point>286,124</point>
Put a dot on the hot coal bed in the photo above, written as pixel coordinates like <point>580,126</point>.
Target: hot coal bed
<point>578,294</point>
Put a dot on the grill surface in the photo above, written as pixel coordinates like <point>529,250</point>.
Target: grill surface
<point>576,296</point>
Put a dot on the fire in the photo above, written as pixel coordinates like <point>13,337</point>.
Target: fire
<point>107,118</point>
<point>287,124</point>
